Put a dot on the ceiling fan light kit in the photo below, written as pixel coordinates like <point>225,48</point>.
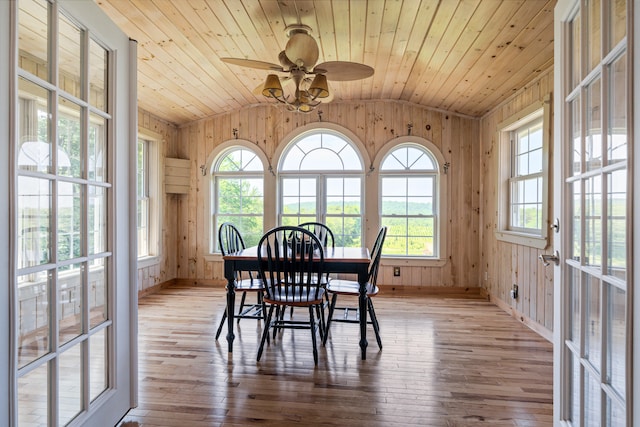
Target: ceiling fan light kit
<point>298,60</point>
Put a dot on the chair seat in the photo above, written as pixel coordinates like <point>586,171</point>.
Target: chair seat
<point>301,297</point>
<point>248,285</point>
<point>350,287</point>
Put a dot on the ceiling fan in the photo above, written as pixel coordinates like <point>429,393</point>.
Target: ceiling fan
<point>298,61</point>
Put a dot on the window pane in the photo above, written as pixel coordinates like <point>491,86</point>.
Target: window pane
<point>33,397</point>
<point>576,141</point>
<point>240,160</point>
<point>617,224</point>
<point>419,206</point>
<point>616,345</point>
<point>98,351</point>
<point>33,309</point>
<point>69,138</point>
<point>394,206</point>
<point>34,221</point>
<point>97,75</point>
<point>594,34</point>
<point>70,384</point>
<point>574,383</point>
<point>34,129</point>
<point>575,52</point>
<point>593,221</point>
<point>96,150</point>
<point>396,240</point>
<point>97,292</point>
<point>321,151</point>
<point>617,21</point>
<point>576,230</point>
<point>322,159</point>
<point>616,416</point>
<point>70,202</point>
<point>346,230</point>
<point>422,186</point>
<point>70,302</point>
<point>593,140</point>
<point>617,135</point>
<point>392,186</point>
<point>535,161</point>
<point>574,299</point>
<point>69,59</point>
<point>593,332</point>
<point>592,397</point>
<point>97,219</point>
<point>420,232</point>
<point>33,40</point>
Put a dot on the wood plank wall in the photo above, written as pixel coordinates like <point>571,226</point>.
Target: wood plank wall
<point>162,269</point>
<point>374,123</point>
<point>475,257</point>
<point>504,264</point>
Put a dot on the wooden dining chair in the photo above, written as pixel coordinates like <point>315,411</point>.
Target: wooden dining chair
<point>322,232</point>
<point>288,259</point>
<point>230,241</point>
<point>351,288</point>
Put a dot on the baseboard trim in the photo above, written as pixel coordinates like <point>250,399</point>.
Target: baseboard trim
<point>525,320</point>
<point>443,291</point>
<point>155,288</point>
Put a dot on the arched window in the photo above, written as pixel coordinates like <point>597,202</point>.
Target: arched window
<point>321,179</point>
<point>238,193</point>
<point>409,201</point>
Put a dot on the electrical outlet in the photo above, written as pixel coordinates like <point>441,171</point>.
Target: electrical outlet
<point>396,271</point>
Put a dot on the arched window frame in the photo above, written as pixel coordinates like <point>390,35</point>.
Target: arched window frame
<point>440,211</point>
<point>211,175</point>
<point>320,175</point>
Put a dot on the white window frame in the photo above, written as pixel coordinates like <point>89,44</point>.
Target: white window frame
<point>209,183</point>
<point>321,176</point>
<point>440,200</point>
<point>504,232</point>
<point>155,184</point>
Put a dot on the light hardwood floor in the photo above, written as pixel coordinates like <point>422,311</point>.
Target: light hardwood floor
<point>445,362</point>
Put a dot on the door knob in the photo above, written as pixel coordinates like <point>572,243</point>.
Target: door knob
<point>549,258</point>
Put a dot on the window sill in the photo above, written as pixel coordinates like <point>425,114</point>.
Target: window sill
<point>411,262</point>
<point>148,261</point>
<point>523,239</point>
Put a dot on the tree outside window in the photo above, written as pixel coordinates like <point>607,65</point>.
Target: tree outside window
<point>239,194</point>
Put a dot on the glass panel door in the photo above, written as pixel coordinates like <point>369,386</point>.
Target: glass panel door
<point>592,197</point>
<point>63,284</point>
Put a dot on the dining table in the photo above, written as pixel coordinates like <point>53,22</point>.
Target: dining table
<point>346,260</point>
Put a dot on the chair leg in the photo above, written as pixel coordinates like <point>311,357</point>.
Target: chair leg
<point>332,307</point>
<point>323,324</point>
<point>313,335</point>
<point>374,322</point>
<point>265,332</point>
<point>244,296</point>
<point>224,317</point>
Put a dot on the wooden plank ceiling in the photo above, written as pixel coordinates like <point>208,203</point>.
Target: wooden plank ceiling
<point>463,56</point>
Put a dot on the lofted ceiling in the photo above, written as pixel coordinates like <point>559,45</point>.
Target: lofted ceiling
<point>462,56</point>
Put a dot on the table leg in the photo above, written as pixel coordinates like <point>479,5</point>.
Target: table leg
<point>231,299</point>
<point>362,303</point>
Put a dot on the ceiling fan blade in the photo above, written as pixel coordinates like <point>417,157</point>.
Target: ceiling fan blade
<point>252,63</point>
<point>343,71</point>
<point>302,50</point>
